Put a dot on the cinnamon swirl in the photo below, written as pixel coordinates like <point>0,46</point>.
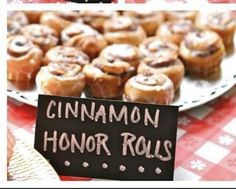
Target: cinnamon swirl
<point>125,52</point>
<point>152,46</point>
<point>106,78</point>
<point>24,59</point>
<point>96,19</point>
<point>124,30</point>
<point>61,54</point>
<point>202,52</point>
<point>175,31</point>
<point>18,16</point>
<point>41,35</point>
<point>13,28</point>
<point>61,79</point>
<point>166,63</point>
<point>85,38</point>
<point>149,20</point>
<point>220,22</point>
<point>59,20</point>
<point>149,88</point>
<point>177,15</point>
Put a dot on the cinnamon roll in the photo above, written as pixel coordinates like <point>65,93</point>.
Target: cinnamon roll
<point>106,78</point>
<point>164,62</point>
<point>220,22</point>
<point>70,55</point>
<point>149,20</point>
<point>61,79</point>
<point>153,46</point>
<point>202,52</point>
<point>125,52</point>
<point>24,59</point>
<point>176,15</point>
<point>149,88</point>
<point>85,38</point>
<point>13,28</point>
<point>33,16</point>
<point>175,31</point>
<point>41,35</point>
<point>96,19</point>
<point>59,20</point>
<point>18,16</point>
<point>123,30</point>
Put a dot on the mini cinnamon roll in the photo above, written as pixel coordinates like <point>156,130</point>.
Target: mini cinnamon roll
<point>33,16</point>
<point>152,46</point>
<point>85,38</point>
<point>220,22</point>
<point>96,19</point>
<point>149,20</point>
<point>24,59</point>
<point>125,52</point>
<point>149,88</point>
<point>175,31</point>
<point>41,35</point>
<point>70,55</point>
<point>202,52</point>
<point>124,30</point>
<point>13,28</point>
<point>59,20</point>
<point>176,15</point>
<point>61,79</point>
<point>18,16</point>
<point>106,78</point>
<point>164,62</point>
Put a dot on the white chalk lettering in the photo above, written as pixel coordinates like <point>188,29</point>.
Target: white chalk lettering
<point>101,113</point>
<point>147,118</point>
<point>101,142</point>
<point>51,115</point>
<point>52,139</point>
<point>122,114</point>
<point>127,143</point>
<point>135,113</point>
<point>85,111</point>
<point>69,109</point>
<point>64,140</point>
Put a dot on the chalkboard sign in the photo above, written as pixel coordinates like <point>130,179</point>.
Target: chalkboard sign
<point>92,1</point>
<point>107,139</point>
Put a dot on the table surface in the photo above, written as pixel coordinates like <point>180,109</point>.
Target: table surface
<point>206,138</point>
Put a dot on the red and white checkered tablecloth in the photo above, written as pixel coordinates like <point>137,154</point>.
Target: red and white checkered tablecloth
<point>206,146</point>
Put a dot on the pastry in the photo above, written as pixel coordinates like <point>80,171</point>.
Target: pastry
<point>85,38</point>
<point>175,31</point>
<point>24,59</point>
<point>176,15</point>
<point>10,145</point>
<point>152,46</point>
<point>124,30</point>
<point>18,16</point>
<point>106,78</point>
<point>61,54</point>
<point>13,28</point>
<point>165,62</point>
<point>41,35</point>
<point>61,79</point>
<point>149,20</point>
<point>220,22</point>
<point>125,52</point>
<point>59,20</point>
<point>202,52</point>
<point>97,18</point>
<point>149,88</point>
<point>33,16</point>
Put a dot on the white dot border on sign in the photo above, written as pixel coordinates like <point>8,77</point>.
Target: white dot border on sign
<point>85,164</point>
<point>67,163</point>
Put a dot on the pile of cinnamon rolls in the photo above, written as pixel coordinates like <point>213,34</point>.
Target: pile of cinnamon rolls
<point>130,55</point>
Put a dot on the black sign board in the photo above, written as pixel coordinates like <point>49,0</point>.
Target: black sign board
<point>92,1</point>
<point>107,139</point>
